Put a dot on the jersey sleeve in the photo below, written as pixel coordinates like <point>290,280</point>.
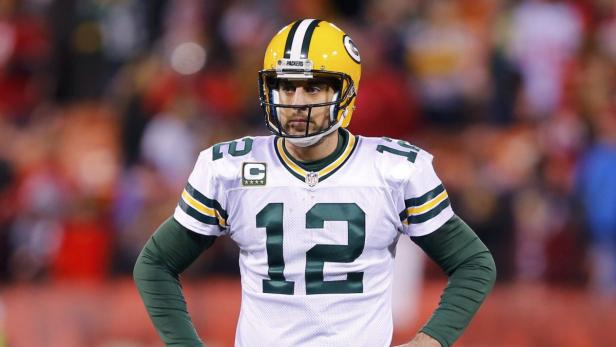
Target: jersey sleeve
<point>426,203</point>
<point>200,207</point>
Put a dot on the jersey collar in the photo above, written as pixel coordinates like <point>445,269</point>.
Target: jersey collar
<point>307,176</point>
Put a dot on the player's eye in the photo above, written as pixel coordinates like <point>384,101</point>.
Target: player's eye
<point>312,89</point>
<point>287,87</point>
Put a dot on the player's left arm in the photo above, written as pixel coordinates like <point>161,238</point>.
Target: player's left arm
<point>471,270</point>
<point>429,220</point>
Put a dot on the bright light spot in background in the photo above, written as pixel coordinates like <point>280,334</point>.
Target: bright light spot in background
<point>7,42</point>
<point>96,170</point>
<point>188,58</point>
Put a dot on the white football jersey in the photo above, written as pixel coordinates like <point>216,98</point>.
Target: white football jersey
<point>316,248</point>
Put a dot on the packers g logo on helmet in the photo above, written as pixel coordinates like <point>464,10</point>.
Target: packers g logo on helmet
<point>306,49</point>
<point>351,49</point>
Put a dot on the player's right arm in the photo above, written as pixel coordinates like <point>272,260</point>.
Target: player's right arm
<point>198,219</point>
<point>170,250</point>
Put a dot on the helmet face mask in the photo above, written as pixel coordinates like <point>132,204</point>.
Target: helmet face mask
<point>269,85</point>
<point>310,50</point>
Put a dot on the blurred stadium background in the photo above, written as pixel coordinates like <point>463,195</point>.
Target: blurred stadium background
<point>104,105</point>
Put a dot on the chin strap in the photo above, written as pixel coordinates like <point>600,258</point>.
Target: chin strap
<point>312,140</point>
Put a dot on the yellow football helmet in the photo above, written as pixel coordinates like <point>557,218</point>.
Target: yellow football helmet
<point>306,49</point>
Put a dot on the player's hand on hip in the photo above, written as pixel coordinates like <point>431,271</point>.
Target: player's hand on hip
<point>421,340</point>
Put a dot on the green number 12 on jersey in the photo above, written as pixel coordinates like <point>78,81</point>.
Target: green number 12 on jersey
<point>271,217</point>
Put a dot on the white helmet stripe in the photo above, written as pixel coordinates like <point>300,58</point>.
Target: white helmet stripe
<point>298,39</point>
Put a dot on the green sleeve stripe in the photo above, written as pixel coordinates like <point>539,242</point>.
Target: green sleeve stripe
<point>196,214</point>
<point>211,203</point>
<point>420,218</point>
<point>413,202</point>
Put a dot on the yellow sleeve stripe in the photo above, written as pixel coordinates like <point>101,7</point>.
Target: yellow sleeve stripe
<point>210,212</point>
<point>428,205</point>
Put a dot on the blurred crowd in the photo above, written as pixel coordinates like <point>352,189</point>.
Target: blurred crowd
<point>105,104</point>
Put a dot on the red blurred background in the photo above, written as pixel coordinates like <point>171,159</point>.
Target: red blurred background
<point>104,106</point>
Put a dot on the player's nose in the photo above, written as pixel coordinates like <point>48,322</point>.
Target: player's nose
<point>299,97</point>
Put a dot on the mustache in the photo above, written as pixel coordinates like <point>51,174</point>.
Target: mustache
<point>300,119</point>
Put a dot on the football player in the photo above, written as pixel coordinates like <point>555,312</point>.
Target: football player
<point>316,212</point>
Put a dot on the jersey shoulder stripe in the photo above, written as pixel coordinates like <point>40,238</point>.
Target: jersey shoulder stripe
<point>414,203</point>
<point>203,204</point>
<point>203,209</point>
<point>210,203</point>
<point>423,217</point>
<point>423,208</point>
<point>423,201</point>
